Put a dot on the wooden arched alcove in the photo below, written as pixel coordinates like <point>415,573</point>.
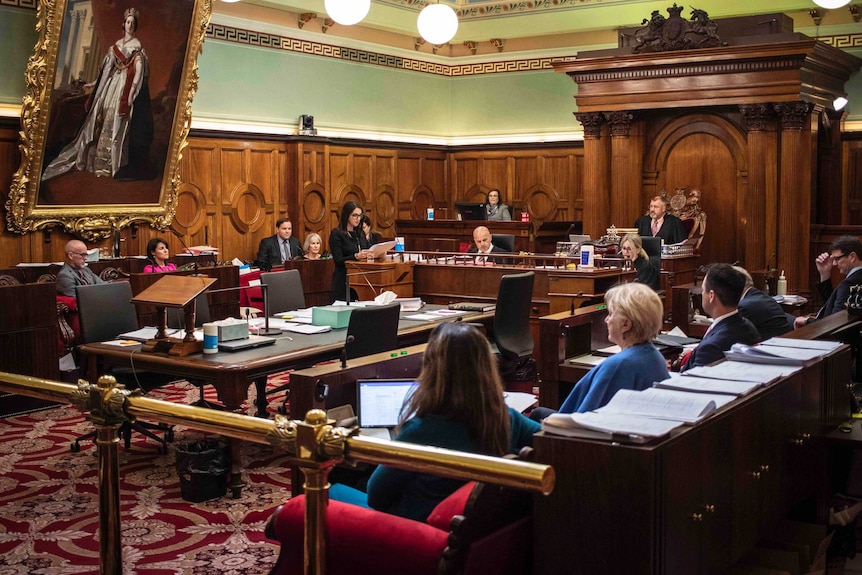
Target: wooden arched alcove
<point>708,152</point>
<point>738,121</point>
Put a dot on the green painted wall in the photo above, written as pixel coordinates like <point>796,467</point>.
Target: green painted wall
<point>251,84</point>
<point>264,86</point>
<point>18,33</point>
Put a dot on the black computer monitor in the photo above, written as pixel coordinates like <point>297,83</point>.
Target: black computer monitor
<point>470,211</point>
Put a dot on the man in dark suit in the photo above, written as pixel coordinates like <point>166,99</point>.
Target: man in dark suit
<point>844,253</point>
<point>483,246</point>
<point>761,310</point>
<point>721,289</point>
<point>660,224</point>
<point>75,271</point>
<point>279,248</point>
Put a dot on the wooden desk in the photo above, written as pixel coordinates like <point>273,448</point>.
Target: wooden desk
<point>28,330</point>
<point>425,235</point>
<point>699,500</point>
<point>316,277</point>
<point>554,289</point>
<point>231,373</point>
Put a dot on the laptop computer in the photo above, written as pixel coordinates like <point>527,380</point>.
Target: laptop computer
<point>247,343</point>
<point>379,402</point>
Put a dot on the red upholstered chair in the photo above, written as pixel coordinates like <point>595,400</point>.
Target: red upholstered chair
<point>481,528</point>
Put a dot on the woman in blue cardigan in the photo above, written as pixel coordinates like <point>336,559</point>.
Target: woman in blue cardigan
<point>634,318</point>
<point>458,405</point>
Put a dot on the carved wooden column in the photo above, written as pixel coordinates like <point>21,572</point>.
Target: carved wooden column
<point>626,166</point>
<point>798,133</point>
<point>596,181</point>
<point>761,211</point>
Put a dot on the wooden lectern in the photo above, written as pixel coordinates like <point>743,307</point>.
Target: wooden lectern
<point>179,292</point>
<point>372,278</point>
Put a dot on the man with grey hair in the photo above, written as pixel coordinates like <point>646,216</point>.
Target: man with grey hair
<point>764,312</point>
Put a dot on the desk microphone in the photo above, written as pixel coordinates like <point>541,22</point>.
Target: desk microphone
<point>350,339</point>
<point>194,257</point>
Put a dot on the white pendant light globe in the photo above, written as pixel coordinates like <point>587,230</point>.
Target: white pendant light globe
<point>347,12</point>
<point>437,23</point>
<point>829,4</point>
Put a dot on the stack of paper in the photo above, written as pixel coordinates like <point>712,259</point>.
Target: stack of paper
<point>743,371</point>
<point>663,404</point>
<point>773,354</point>
<point>692,383</point>
<point>608,426</point>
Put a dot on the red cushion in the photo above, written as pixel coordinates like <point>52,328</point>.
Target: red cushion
<point>360,541</point>
<point>441,516</point>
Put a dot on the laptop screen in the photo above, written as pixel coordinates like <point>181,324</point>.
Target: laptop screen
<point>379,401</point>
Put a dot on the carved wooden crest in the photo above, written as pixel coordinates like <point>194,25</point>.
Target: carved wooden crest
<point>660,34</point>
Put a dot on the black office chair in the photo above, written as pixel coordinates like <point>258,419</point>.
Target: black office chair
<point>284,290</point>
<point>177,320</point>
<point>652,247</point>
<point>104,312</point>
<point>504,241</point>
<point>283,293</point>
<point>513,341</point>
<point>373,329</point>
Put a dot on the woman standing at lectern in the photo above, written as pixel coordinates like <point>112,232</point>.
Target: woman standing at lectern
<point>347,243</point>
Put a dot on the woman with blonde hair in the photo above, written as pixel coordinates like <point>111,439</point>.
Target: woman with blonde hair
<point>634,318</point>
<point>632,250</point>
<point>458,404</point>
<point>313,246</point>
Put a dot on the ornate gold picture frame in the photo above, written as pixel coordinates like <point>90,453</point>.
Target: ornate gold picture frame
<point>106,114</point>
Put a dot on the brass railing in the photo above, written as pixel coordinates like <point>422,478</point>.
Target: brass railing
<point>313,445</point>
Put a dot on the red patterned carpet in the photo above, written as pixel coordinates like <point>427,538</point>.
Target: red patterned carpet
<point>49,502</point>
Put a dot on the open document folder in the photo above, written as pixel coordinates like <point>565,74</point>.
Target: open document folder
<point>608,426</point>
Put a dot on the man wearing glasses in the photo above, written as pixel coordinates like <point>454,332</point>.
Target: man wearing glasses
<point>844,254</point>
<point>75,271</point>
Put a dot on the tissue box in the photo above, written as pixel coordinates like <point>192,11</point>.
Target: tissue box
<point>232,331</point>
<point>332,315</point>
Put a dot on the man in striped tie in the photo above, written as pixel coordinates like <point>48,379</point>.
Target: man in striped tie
<point>659,223</point>
<point>75,271</point>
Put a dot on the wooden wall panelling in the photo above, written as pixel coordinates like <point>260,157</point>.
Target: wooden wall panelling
<point>310,177</point>
<point>760,212</point>
<point>827,207</point>
<point>382,210</point>
<point>421,182</point>
<point>13,247</point>
<point>851,193</point>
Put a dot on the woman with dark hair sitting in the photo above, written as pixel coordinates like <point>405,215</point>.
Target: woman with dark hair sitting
<point>632,250</point>
<point>157,256</point>
<point>371,237</point>
<point>495,209</point>
<point>347,243</point>
<point>458,405</point>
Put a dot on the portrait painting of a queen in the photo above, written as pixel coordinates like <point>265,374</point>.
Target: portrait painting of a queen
<point>115,95</point>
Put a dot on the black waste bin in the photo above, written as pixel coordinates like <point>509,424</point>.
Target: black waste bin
<point>202,467</point>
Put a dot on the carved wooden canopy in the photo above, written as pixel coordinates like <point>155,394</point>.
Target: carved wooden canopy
<point>789,68</point>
